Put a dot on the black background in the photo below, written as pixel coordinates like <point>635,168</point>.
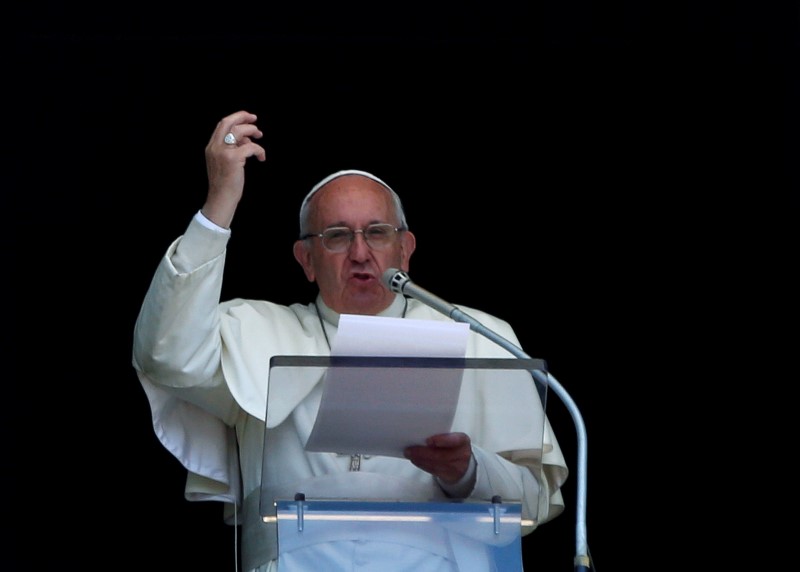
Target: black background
<point>601,175</point>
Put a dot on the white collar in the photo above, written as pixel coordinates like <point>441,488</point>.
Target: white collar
<point>396,309</point>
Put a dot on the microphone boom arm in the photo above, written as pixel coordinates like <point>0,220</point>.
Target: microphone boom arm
<point>399,282</point>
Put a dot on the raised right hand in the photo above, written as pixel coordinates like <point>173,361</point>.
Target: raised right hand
<point>225,164</point>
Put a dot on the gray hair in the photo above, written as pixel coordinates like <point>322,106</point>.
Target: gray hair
<point>305,208</point>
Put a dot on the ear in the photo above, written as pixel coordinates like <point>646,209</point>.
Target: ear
<point>302,253</point>
<point>408,242</point>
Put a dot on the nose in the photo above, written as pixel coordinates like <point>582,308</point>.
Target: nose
<point>359,249</point>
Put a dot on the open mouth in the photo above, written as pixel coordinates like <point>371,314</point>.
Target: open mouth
<point>362,276</point>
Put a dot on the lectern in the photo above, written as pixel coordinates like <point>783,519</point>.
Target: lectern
<point>365,411</point>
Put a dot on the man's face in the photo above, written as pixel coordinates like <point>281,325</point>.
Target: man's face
<point>350,281</point>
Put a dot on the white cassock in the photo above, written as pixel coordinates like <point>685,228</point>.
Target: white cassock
<point>204,366</point>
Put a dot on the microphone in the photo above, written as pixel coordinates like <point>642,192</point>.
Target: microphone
<point>399,282</point>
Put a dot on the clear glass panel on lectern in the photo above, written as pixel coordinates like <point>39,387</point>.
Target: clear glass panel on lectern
<point>333,450</point>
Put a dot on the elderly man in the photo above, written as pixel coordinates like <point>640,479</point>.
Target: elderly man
<point>204,364</point>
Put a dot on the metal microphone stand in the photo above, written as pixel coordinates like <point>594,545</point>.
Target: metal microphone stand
<point>399,281</point>
<point>582,560</point>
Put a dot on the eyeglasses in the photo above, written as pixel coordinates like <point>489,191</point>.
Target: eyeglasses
<point>339,238</point>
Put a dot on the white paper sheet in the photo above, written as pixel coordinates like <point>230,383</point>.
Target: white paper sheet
<point>380,411</point>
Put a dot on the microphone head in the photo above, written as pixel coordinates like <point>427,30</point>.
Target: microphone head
<point>395,279</point>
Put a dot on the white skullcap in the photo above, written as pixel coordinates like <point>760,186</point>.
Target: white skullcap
<point>336,175</point>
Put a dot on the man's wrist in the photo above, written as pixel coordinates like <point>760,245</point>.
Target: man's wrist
<point>462,488</point>
<point>210,224</point>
